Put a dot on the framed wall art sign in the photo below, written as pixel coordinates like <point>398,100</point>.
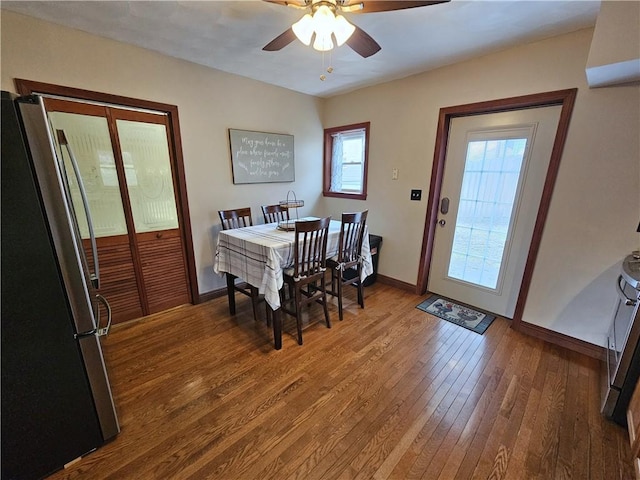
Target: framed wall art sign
<point>260,157</point>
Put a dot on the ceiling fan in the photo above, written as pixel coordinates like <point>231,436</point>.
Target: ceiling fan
<point>324,23</point>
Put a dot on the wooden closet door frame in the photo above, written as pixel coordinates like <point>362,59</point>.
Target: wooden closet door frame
<point>30,87</point>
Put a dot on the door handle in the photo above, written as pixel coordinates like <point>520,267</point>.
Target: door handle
<point>104,331</point>
<point>444,206</point>
<point>62,140</point>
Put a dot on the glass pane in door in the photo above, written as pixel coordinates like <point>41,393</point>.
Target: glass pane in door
<point>89,139</point>
<point>145,154</point>
<point>488,196</point>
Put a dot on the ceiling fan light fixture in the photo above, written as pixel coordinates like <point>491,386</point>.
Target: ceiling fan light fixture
<point>323,20</point>
<point>323,42</point>
<point>342,30</point>
<point>304,29</point>
<point>323,25</point>
<point>326,26</point>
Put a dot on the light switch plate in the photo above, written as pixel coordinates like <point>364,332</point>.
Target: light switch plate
<point>416,194</point>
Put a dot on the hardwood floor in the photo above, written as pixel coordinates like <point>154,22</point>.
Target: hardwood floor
<point>390,392</point>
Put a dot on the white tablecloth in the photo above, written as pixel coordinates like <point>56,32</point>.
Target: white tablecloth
<point>260,253</point>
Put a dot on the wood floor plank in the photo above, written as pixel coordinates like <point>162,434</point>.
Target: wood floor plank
<point>499,447</point>
<point>596,434</point>
<point>493,372</point>
<point>397,463</point>
<point>448,423</point>
<point>551,439</point>
<point>580,441</point>
<point>536,451</point>
<point>395,375</point>
<point>388,393</point>
<point>403,433</point>
<point>355,440</point>
<point>568,423</point>
<point>518,434</point>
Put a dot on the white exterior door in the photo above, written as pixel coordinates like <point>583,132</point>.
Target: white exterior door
<point>494,175</point>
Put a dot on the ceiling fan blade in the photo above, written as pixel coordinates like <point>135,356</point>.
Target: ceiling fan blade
<point>373,6</point>
<point>362,43</point>
<point>289,3</point>
<point>280,41</point>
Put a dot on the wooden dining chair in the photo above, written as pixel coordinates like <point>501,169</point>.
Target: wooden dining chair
<point>230,219</point>
<point>306,279</point>
<point>235,218</point>
<point>346,267</point>
<point>275,213</point>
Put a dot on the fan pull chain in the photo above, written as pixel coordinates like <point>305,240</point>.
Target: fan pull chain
<point>323,77</point>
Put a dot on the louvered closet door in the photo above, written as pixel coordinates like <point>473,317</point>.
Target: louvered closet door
<point>145,149</point>
<point>125,164</point>
<point>87,130</point>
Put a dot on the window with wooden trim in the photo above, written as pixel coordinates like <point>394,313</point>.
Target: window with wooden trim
<point>346,152</point>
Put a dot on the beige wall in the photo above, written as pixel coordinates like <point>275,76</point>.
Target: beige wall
<point>614,57</point>
<point>616,37</point>
<point>594,210</point>
<point>209,102</point>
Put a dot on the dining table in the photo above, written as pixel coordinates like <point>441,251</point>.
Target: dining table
<point>259,254</point>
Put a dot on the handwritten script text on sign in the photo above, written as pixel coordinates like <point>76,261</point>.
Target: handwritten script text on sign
<point>262,157</point>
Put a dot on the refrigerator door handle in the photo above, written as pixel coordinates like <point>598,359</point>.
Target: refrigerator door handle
<point>623,296</point>
<point>95,276</point>
<point>89,333</point>
<point>104,331</point>
<point>99,331</point>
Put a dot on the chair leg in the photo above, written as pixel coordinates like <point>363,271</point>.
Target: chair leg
<point>324,303</point>
<point>340,294</point>
<point>334,276</point>
<point>298,313</point>
<point>360,288</point>
<point>231,293</point>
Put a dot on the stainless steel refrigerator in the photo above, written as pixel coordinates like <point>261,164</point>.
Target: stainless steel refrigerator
<point>56,400</point>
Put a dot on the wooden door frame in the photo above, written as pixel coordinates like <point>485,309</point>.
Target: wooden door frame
<point>29,87</point>
<point>565,98</point>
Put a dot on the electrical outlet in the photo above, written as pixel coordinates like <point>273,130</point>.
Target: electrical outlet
<point>394,174</point>
<point>416,194</point>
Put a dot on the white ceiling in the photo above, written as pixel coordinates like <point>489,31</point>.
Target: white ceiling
<point>229,35</point>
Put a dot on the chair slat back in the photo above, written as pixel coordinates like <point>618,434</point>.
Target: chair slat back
<point>275,213</point>
<point>351,237</point>
<point>311,247</point>
<point>235,218</point>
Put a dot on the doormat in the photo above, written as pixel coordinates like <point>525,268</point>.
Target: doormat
<point>472,319</point>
